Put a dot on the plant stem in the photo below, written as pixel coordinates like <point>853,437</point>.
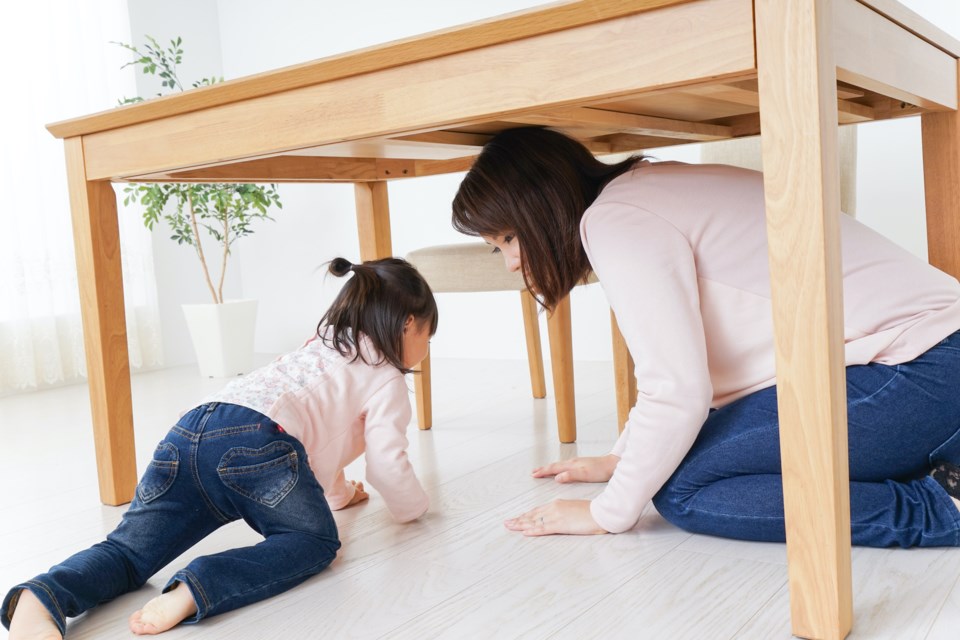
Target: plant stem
<point>196,238</point>
<point>226,248</point>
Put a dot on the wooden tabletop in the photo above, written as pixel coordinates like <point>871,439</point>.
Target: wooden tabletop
<point>712,96</point>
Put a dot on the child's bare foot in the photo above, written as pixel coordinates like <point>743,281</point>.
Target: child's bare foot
<point>32,621</point>
<point>164,612</point>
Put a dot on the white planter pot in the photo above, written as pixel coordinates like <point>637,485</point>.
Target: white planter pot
<point>222,336</point>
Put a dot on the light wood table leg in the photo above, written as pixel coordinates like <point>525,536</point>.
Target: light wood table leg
<point>625,379</point>
<point>798,118</point>
<point>373,220</point>
<point>941,180</point>
<point>96,236</point>
<point>373,228</point>
<point>531,330</point>
<point>561,363</point>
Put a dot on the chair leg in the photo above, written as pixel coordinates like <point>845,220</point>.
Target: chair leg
<point>421,391</point>
<point>531,329</point>
<point>561,360</point>
<point>625,380</point>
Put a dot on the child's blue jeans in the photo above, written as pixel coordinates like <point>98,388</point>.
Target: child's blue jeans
<point>902,420</point>
<point>220,462</point>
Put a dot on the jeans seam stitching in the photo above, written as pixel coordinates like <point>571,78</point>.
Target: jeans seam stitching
<point>195,472</point>
<point>897,374</point>
<point>229,431</point>
<point>195,582</point>
<point>49,593</point>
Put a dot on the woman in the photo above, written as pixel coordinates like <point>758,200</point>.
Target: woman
<point>681,253</point>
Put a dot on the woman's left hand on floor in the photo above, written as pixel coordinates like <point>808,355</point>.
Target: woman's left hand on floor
<point>559,516</point>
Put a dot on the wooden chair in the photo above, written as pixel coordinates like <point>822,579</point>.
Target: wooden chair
<point>473,267</point>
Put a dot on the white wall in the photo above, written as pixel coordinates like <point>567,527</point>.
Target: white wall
<point>281,264</point>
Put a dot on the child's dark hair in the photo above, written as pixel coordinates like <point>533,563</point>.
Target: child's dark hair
<point>376,302</point>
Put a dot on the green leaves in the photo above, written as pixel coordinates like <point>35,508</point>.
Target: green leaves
<point>226,212</point>
<point>153,59</point>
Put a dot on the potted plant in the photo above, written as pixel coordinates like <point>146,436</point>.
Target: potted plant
<point>222,331</point>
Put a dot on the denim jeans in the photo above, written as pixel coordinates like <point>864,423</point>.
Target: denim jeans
<point>902,420</point>
<point>220,463</point>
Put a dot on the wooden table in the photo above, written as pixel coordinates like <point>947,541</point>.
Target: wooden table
<point>620,75</point>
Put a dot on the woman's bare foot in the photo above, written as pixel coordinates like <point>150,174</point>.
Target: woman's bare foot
<point>164,612</point>
<point>32,621</point>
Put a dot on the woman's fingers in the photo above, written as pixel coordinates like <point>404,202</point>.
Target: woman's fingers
<point>531,523</point>
<point>585,469</point>
<point>552,469</point>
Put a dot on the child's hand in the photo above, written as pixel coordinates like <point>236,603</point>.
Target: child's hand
<point>359,495</point>
<point>587,469</point>
<point>560,516</point>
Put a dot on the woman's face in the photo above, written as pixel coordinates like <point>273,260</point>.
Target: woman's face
<point>509,246</point>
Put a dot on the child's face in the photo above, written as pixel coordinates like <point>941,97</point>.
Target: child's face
<point>416,342</point>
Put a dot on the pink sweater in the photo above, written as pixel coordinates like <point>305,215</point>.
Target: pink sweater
<point>681,253</point>
<point>338,410</point>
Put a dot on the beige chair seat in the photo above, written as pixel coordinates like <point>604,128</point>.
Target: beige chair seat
<point>474,266</point>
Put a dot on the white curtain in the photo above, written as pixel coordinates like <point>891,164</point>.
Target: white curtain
<point>59,64</point>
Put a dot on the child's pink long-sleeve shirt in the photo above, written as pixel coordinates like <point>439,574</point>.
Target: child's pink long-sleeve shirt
<point>681,253</point>
<point>339,410</point>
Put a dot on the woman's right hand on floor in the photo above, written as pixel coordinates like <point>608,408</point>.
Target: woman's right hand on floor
<point>586,469</point>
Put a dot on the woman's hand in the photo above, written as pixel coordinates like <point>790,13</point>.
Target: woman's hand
<point>588,469</point>
<point>359,495</point>
<point>560,516</point>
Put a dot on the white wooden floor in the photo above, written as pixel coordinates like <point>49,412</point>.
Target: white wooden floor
<point>457,573</point>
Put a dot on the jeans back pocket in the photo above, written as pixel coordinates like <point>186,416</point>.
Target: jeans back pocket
<point>265,475</point>
<point>161,473</point>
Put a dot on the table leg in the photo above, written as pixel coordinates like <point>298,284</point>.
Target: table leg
<point>373,227</point>
<point>97,239</point>
<point>941,180</point>
<point>373,220</point>
<point>798,118</point>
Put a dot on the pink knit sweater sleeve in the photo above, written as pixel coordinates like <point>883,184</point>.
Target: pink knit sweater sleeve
<point>339,494</point>
<point>648,272</point>
<point>385,450</point>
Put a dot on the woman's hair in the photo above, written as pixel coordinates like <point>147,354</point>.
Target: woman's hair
<point>536,184</point>
<point>376,302</point>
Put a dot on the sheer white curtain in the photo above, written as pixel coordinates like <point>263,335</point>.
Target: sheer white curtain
<point>58,64</point>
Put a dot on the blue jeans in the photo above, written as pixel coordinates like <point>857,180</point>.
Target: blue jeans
<point>902,420</point>
<point>220,463</point>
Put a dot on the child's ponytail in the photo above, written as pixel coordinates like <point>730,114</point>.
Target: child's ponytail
<point>376,302</point>
<point>340,267</point>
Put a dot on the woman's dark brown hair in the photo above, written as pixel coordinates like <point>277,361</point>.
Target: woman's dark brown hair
<point>536,184</point>
<point>376,302</point>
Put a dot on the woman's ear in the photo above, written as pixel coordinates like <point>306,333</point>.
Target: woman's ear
<point>408,323</point>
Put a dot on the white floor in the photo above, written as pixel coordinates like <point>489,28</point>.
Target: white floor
<point>456,573</point>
